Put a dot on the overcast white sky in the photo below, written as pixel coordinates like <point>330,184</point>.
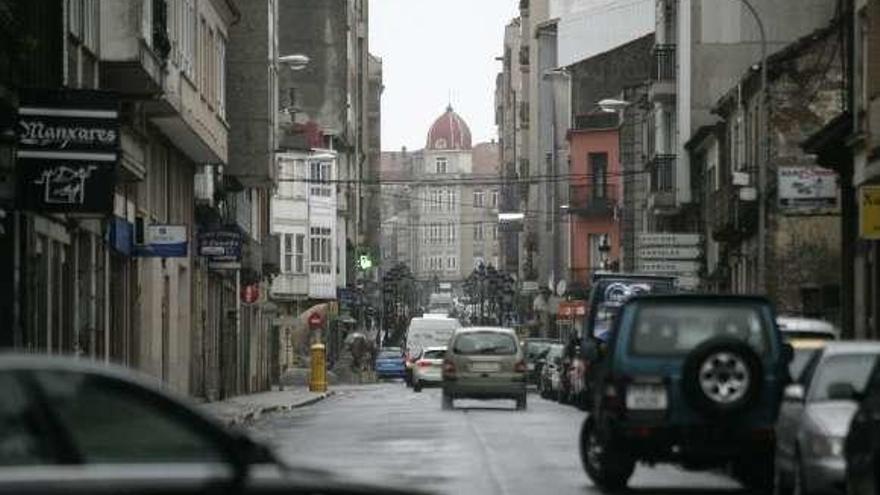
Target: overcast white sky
<point>429,49</point>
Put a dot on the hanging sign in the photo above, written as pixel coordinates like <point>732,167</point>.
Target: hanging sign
<point>67,150</point>
<point>869,212</point>
<point>164,241</point>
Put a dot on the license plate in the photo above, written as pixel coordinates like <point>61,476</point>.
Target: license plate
<point>485,367</point>
<point>646,397</point>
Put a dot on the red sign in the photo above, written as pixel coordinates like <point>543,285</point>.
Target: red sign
<point>316,320</point>
<point>250,293</point>
<point>572,309</point>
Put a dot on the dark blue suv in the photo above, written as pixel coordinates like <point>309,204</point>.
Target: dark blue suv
<point>694,380</point>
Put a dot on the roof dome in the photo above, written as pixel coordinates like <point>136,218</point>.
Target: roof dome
<point>449,132</point>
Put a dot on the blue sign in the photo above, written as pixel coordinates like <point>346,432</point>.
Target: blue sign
<point>121,236</point>
<point>164,241</point>
<point>220,245</point>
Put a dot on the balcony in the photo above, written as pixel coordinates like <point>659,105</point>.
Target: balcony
<point>590,202</point>
<point>289,287</point>
<point>661,198</point>
<point>732,219</point>
<point>664,73</point>
<point>132,60</point>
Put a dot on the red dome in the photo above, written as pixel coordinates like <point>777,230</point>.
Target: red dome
<point>449,132</point>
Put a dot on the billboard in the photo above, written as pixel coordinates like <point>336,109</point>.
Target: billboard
<point>807,187</point>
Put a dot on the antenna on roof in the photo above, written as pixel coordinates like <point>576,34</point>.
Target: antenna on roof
<point>449,100</point>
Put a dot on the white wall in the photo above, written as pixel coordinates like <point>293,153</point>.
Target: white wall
<point>590,27</point>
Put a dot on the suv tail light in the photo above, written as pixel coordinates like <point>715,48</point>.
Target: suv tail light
<point>520,367</point>
<point>421,363</point>
<point>614,394</point>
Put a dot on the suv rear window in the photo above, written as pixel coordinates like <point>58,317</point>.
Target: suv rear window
<point>492,343</point>
<point>675,329</point>
<point>390,354</point>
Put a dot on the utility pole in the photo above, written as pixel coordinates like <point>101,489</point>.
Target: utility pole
<point>764,160</point>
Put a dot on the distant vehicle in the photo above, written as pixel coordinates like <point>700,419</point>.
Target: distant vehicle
<point>549,379</point>
<point>390,363</point>
<point>815,417</point>
<point>689,379</point>
<point>441,302</point>
<point>862,444</point>
<point>798,327</point>
<point>427,369</point>
<point>76,427</point>
<point>608,293</point>
<point>423,332</point>
<point>807,336</point>
<point>536,349</point>
<point>484,363</point>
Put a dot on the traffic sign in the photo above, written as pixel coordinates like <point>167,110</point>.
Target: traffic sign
<point>669,252</point>
<point>668,239</point>
<point>250,293</point>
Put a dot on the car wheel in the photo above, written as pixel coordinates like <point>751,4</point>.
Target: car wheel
<point>608,467</point>
<point>521,402</point>
<point>446,401</point>
<point>722,376</point>
<point>417,386</point>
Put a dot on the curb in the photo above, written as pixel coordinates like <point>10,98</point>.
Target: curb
<point>254,414</point>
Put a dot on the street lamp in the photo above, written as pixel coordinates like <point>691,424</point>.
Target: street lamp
<point>765,156</point>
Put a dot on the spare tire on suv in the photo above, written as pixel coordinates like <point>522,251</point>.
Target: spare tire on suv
<point>722,376</point>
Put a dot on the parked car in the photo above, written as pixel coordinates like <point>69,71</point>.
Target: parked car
<point>815,417</point>
<point>694,380</point>
<point>799,327</point>
<point>74,427</point>
<point>484,363</point>
<point>550,380</point>
<point>536,349</point>
<point>862,444</point>
<point>390,363</point>
<point>427,331</point>
<point>427,369</point>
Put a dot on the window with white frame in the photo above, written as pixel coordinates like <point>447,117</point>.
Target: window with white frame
<point>494,231</point>
<point>494,199</point>
<point>478,199</point>
<point>319,178</point>
<point>478,231</point>
<point>451,263</point>
<point>451,232</point>
<point>320,250</point>
<point>299,253</point>
<point>189,35</point>
<point>220,75</point>
<point>441,165</point>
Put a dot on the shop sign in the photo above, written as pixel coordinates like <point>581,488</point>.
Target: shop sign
<point>869,212</point>
<point>222,248</point>
<point>807,187</point>
<point>164,241</point>
<point>67,151</point>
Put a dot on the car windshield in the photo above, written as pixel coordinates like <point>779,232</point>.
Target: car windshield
<point>799,362</point>
<point>851,369</point>
<point>494,343</point>
<point>666,329</point>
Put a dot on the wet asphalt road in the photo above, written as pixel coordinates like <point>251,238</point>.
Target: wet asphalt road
<point>386,433</point>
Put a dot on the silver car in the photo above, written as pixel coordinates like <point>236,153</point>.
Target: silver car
<point>427,369</point>
<point>484,363</point>
<point>815,417</point>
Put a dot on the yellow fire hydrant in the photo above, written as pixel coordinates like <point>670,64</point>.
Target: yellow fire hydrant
<point>318,378</point>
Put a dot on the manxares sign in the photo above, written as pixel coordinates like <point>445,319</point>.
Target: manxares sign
<point>68,148</point>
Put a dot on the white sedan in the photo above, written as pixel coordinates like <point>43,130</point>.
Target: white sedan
<point>428,369</point>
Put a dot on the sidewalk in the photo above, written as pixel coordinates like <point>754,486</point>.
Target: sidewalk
<point>245,408</point>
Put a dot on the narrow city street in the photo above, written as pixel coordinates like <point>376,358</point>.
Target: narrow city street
<point>385,433</point>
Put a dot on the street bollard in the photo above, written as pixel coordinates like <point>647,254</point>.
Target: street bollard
<point>318,378</point>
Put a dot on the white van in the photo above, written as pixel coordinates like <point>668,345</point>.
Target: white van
<point>433,331</point>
